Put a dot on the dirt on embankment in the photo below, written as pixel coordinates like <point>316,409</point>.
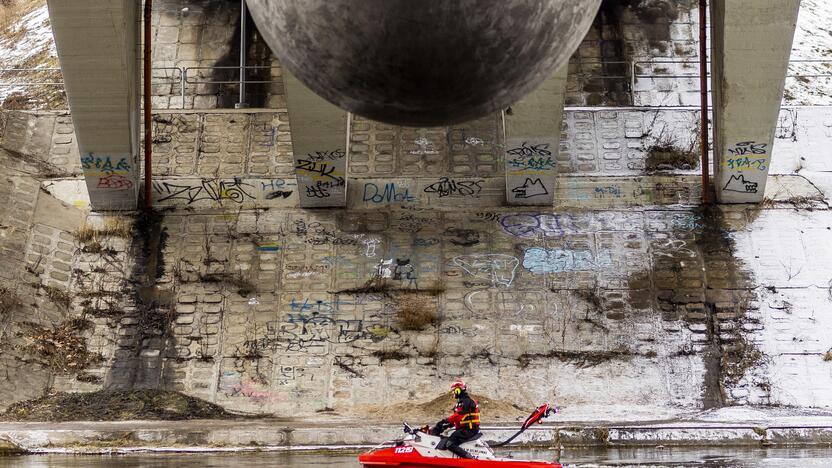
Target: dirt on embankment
<point>493,410</point>
<point>114,406</point>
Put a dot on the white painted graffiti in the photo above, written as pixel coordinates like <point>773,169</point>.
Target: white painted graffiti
<point>425,147</point>
<point>371,247</point>
<point>497,268</point>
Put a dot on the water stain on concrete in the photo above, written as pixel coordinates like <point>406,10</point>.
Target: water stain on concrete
<point>697,278</point>
<point>154,314</point>
<point>258,54</point>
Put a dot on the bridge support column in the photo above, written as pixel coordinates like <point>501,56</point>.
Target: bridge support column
<point>319,144</point>
<point>752,43</point>
<point>98,42</point>
<point>532,136</point>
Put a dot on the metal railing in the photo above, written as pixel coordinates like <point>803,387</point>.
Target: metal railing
<point>187,79</point>
<point>14,82</point>
<point>638,66</point>
<point>695,65</point>
<point>182,78</point>
<point>5,72</point>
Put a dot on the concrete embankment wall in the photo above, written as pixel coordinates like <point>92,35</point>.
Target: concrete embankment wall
<point>624,294</point>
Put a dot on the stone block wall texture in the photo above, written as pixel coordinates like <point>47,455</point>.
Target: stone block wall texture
<point>202,37</point>
<point>624,293</point>
<point>659,37</point>
<point>37,251</point>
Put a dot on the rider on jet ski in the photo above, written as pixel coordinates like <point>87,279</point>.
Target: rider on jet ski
<point>465,419</point>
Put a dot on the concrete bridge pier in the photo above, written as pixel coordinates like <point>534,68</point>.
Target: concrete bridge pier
<point>98,46</point>
<point>532,136</point>
<point>752,43</point>
<point>319,145</point>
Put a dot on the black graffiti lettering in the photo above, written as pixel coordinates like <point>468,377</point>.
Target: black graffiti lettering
<point>737,183</point>
<point>528,150</point>
<point>326,155</point>
<point>211,190</point>
<point>463,237</point>
<point>278,194</point>
<point>305,333</point>
<point>447,187</point>
<point>322,168</point>
<point>316,191</point>
<point>530,188</point>
<point>748,147</point>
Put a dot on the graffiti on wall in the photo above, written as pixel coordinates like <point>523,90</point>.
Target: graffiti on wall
<point>747,156</point>
<point>233,384</point>
<point>113,172</point>
<point>540,261</point>
<point>530,172</point>
<point>115,182</point>
<point>531,225</point>
<point>738,183</point>
<point>95,165</point>
<point>321,177</point>
<point>398,269</point>
<point>384,193</point>
<point>215,190</point>
<point>277,188</point>
<point>462,237</point>
<point>531,188</point>
<point>499,269</point>
<point>206,190</point>
<point>425,147</point>
<point>317,169</point>
<point>310,334</point>
<point>449,187</point>
<point>526,150</point>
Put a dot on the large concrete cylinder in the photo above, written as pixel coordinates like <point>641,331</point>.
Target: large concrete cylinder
<point>423,62</point>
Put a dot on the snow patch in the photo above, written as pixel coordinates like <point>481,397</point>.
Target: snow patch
<point>21,44</point>
<point>812,40</point>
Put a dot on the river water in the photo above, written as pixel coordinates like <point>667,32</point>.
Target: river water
<point>722,457</point>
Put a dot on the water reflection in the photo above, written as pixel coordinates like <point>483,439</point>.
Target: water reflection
<point>641,458</point>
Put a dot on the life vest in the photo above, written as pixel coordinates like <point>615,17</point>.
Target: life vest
<point>471,420</point>
<point>466,419</point>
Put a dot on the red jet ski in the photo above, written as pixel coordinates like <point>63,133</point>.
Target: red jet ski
<point>417,449</point>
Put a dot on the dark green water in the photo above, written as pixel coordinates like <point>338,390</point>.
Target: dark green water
<point>740,458</point>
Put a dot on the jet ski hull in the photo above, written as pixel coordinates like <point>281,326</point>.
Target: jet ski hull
<point>413,459</point>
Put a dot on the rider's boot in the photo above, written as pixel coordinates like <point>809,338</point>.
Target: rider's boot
<point>460,452</point>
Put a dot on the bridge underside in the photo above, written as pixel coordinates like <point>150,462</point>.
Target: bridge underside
<point>98,44</point>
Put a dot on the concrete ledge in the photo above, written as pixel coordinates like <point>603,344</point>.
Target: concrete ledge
<point>798,436</point>
<point>190,436</point>
<point>682,436</point>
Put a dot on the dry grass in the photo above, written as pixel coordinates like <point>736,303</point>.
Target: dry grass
<point>58,296</point>
<point>736,364</point>
<point>828,356</point>
<point>669,157</point>
<point>61,348</point>
<point>113,227</point>
<point>415,312</point>
<point>12,32</point>
<point>17,101</point>
<point>797,201</point>
<point>12,10</point>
